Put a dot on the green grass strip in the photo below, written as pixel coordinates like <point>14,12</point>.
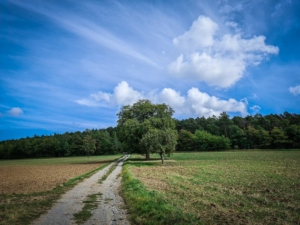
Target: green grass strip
<point>103,178</point>
<point>86,175</point>
<point>89,204</point>
<point>149,207</point>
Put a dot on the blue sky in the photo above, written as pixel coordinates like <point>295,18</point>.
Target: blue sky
<point>71,65</point>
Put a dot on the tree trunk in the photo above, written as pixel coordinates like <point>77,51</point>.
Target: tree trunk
<point>147,155</point>
<point>162,158</point>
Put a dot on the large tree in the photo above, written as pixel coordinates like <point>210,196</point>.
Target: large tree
<point>147,128</point>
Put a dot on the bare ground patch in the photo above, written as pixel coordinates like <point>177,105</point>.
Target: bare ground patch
<point>36,178</point>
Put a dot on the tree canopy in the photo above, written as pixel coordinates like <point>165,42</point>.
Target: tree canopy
<point>147,128</point>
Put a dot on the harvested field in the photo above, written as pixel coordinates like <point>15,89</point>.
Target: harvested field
<point>240,187</point>
<point>35,178</point>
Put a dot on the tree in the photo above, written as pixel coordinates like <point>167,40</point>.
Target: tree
<point>205,141</point>
<point>105,143</point>
<point>212,126</point>
<point>89,145</point>
<point>185,141</point>
<point>252,137</point>
<point>279,138</point>
<point>240,122</point>
<point>116,144</point>
<point>224,122</point>
<point>237,137</point>
<point>293,133</point>
<point>264,138</point>
<point>160,141</point>
<point>147,128</point>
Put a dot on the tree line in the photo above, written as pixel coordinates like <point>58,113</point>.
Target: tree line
<point>250,132</point>
<point>147,128</point>
<point>88,142</point>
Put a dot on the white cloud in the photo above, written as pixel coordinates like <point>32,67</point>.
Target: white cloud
<point>123,95</point>
<point>295,90</point>
<point>245,100</point>
<point>217,60</point>
<point>201,104</point>
<point>172,98</point>
<point>101,96</point>
<point>195,103</point>
<point>200,34</point>
<point>214,70</point>
<point>15,111</point>
<point>255,108</point>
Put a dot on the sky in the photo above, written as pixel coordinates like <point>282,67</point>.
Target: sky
<point>69,66</point>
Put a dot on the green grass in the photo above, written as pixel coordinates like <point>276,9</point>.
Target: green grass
<point>90,204</point>
<point>25,208</point>
<point>103,178</point>
<point>149,207</point>
<point>236,187</point>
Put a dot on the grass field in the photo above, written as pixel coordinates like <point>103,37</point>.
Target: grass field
<point>239,187</point>
<point>49,178</point>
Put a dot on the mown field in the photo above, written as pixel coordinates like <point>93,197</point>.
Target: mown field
<point>29,187</point>
<point>238,187</point>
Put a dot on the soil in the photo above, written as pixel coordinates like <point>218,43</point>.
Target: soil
<point>110,208</point>
<point>29,178</point>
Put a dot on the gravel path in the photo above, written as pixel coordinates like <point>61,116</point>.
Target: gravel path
<point>110,209</point>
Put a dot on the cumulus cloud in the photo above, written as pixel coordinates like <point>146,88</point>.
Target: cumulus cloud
<point>217,60</point>
<point>173,98</point>
<point>194,103</point>
<point>200,34</point>
<point>201,104</point>
<point>295,90</point>
<point>15,111</point>
<point>123,94</point>
<point>214,70</point>
<point>126,95</point>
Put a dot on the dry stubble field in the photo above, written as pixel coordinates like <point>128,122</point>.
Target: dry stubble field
<point>36,178</point>
<point>29,187</point>
<point>233,187</point>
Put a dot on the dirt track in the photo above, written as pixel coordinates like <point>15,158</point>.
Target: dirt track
<point>110,209</point>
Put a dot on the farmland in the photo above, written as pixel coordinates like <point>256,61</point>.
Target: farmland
<point>28,179</point>
<point>238,187</point>
<point>231,187</point>
<point>29,187</point>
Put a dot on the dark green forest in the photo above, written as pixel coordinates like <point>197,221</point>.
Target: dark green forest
<point>194,134</point>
